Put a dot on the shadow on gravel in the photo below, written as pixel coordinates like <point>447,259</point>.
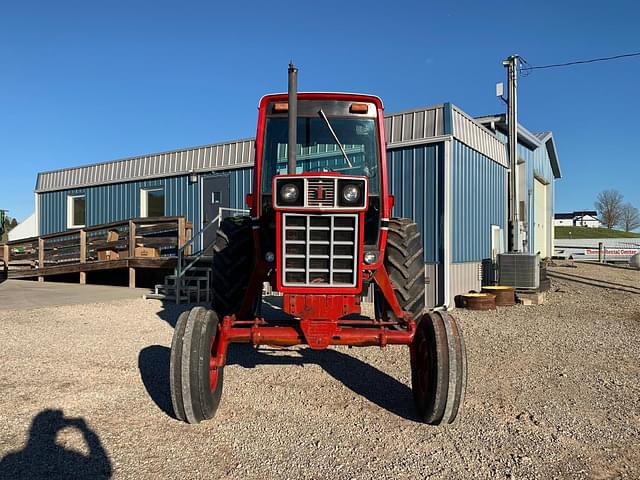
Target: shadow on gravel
<point>43,458</point>
<point>360,377</point>
<point>153,363</point>
<point>170,311</point>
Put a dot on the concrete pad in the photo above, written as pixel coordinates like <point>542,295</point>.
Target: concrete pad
<point>23,294</point>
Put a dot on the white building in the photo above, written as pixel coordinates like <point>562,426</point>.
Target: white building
<point>586,218</point>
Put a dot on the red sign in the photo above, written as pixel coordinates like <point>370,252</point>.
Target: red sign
<point>612,251</point>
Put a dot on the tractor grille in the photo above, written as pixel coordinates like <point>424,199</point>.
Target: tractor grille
<point>319,250</point>
<point>320,192</point>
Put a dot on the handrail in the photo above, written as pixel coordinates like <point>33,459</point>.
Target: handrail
<point>102,226</point>
<point>76,244</point>
<point>180,269</point>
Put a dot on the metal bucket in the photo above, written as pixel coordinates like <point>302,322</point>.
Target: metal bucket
<point>479,301</point>
<point>505,295</point>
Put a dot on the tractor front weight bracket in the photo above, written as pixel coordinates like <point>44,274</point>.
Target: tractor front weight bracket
<point>317,333</point>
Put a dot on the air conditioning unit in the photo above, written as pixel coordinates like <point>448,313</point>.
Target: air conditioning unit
<point>519,270</point>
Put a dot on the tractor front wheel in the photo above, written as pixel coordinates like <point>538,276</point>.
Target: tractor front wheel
<point>438,368</point>
<point>196,385</point>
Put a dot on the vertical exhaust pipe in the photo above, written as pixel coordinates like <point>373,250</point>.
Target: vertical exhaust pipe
<point>293,118</point>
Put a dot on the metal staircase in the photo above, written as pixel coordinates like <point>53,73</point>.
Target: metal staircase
<point>191,280</point>
<point>194,288</point>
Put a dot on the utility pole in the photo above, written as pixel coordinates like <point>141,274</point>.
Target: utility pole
<point>511,64</point>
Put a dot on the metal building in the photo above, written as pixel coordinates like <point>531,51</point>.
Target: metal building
<point>538,168</point>
<point>447,171</point>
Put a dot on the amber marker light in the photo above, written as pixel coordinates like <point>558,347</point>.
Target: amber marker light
<point>279,107</point>
<point>359,108</point>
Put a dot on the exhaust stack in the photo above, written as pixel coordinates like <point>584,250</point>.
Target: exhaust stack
<point>293,118</point>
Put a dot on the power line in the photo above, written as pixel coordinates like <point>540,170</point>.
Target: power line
<point>577,62</point>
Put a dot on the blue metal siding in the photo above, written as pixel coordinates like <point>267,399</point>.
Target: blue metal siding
<point>537,164</point>
<point>542,165</point>
<point>240,184</point>
<point>416,179</point>
<point>119,201</point>
<point>478,201</point>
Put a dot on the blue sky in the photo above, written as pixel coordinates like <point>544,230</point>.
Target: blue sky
<point>84,82</point>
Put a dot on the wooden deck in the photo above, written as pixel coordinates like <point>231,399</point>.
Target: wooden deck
<point>142,243</point>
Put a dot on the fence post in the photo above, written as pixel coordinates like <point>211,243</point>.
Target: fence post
<point>6,253</point>
<point>189,236</point>
<point>182,234</point>
<point>600,252</point>
<point>83,255</point>
<point>132,238</point>
<point>40,257</point>
<point>132,253</point>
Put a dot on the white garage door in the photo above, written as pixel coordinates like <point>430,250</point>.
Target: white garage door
<point>540,217</point>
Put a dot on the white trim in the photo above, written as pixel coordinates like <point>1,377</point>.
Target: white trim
<point>496,249</point>
<point>448,213</point>
<point>37,211</point>
<point>144,200</point>
<point>420,141</point>
<point>70,212</point>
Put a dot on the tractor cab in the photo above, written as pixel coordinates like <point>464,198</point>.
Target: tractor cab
<point>323,219</point>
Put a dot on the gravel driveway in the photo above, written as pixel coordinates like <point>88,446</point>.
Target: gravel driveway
<point>553,392</point>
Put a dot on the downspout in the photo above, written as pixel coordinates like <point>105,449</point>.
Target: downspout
<point>448,187</point>
<point>446,225</point>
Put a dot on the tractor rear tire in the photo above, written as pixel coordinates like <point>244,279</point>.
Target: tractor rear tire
<point>438,368</point>
<point>232,264</point>
<point>196,387</point>
<point>405,265</point>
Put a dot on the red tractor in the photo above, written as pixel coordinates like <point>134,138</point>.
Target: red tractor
<point>320,233</point>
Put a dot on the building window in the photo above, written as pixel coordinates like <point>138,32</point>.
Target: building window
<point>76,211</point>
<point>152,202</point>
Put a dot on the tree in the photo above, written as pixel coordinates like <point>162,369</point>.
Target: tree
<point>629,218</point>
<point>7,224</point>
<point>609,204</point>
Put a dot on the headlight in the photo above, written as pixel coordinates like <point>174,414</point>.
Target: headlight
<point>289,192</point>
<point>351,193</point>
<point>370,257</point>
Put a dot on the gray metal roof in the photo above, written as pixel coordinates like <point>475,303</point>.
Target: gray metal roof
<point>409,126</point>
<point>478,137</point>
<point>401,129</point>
<point>547,140</point>
<point>534,140</point>
<point>206,158</point>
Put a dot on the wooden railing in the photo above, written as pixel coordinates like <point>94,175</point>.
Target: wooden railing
<point>138,237</point>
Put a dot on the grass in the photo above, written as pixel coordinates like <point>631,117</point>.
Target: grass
<point>586,232</point>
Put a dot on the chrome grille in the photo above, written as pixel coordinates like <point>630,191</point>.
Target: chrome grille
<point>319,250</point>
<point>320,192</point>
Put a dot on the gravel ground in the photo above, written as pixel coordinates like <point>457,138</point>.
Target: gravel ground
<point>553,392</point>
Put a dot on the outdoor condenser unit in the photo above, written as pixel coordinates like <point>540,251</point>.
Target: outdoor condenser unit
<point>519,270</point>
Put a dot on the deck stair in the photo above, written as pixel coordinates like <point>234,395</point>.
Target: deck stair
<point>189,262</point>
<point>194,287</point>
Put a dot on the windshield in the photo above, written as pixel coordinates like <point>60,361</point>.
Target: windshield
<point>317,150</point>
